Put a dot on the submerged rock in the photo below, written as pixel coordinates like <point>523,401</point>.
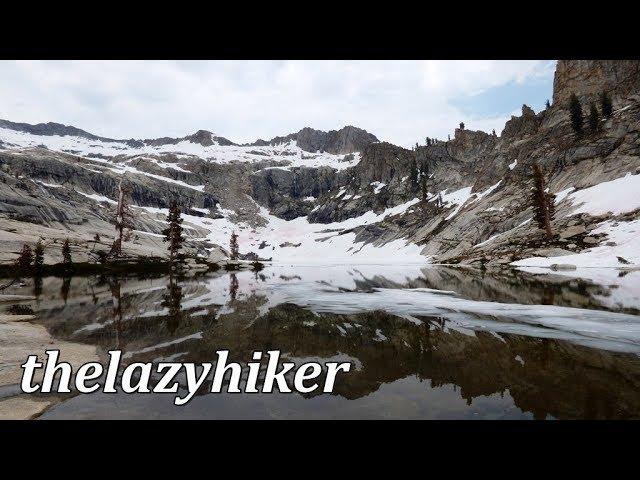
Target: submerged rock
<point>562,266</point>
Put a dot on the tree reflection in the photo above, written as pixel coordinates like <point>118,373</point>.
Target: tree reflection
<point>37,286</point>
<point>116,298</point>
<point>172,300</point>
<point>233,287</point>
<point>64,289</point>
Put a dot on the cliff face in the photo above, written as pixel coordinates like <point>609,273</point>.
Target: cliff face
<point>587,78</point>
<point>485,180</point>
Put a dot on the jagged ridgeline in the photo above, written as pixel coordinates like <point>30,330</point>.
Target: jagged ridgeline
<point>343,195</point>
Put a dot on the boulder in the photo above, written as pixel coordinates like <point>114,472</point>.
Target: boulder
<point>562,266</point>
<point>551,252</point>
<point>572,231</point>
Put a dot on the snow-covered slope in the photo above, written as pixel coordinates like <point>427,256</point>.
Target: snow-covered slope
<point>173,162</point>
<point>300,242</point>
<point>288,153</point>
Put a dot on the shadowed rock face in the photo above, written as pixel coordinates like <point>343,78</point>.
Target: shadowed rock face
<point>587,78</point>
<point>286,192</point>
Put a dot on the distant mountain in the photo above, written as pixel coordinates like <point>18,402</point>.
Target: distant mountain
<point>347,140</point>
<point>52,128</point>
<point>201,137</point>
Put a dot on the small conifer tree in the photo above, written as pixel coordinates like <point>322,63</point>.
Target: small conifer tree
<point>605,104</point>
<point>173,233</point>
<point>413,176</point>
<point>575,109</point>
<point>233,246</point>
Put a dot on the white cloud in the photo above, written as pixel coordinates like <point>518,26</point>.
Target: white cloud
<point>399,101</point>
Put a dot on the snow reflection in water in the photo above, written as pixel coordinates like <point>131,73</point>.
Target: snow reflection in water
<point>544,347</point>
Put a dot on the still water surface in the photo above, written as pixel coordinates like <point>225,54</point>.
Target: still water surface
<point>432,343</point>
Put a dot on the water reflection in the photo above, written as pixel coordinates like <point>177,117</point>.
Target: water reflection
<point>172,301</point>
<point>64,289</point>
<point>425,343</point>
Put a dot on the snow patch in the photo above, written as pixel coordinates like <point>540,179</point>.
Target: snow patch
<point>616,196</point>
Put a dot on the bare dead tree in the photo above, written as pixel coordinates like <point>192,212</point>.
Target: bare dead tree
<point>124,219</point>
<point>543,202</point>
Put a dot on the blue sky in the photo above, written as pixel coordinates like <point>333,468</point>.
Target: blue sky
<point>507,98</point>
<point>399,101</point>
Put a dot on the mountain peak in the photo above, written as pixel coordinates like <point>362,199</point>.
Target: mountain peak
<point>347,140</point>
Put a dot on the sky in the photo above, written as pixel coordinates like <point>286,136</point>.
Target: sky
<point>402,102</point>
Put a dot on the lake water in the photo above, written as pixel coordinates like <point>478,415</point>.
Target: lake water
<point>424,342</point>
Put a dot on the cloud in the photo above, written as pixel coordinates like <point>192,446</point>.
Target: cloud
<point>399,101</point>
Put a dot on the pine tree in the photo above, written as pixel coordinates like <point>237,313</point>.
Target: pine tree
<point>39,256</point>
<point>575,110</point>
<point>123,220</point>
<point>543,202</point>
<point>461,125</point>
<point>594,118</point>
<point>547,104</point>
<point>173,233</point>
<point>26,258</point>
<point>413,176</point>
<point>424,175</point>
<point>423,188</point>
<point>605,104</point>
<point>233,246</point>
<point>66,252</point>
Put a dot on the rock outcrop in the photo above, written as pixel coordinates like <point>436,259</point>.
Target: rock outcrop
<point>344,141</point>
<point>587,78</point>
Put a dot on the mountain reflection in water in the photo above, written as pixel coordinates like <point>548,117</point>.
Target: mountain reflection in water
<point>425,342</point>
